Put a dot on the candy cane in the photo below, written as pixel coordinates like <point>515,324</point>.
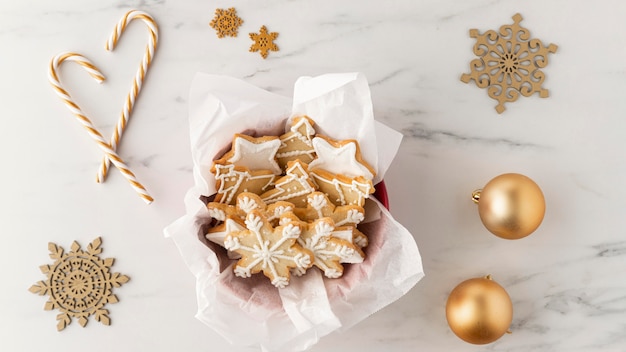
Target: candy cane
<point>137,81</point>
<point>84,120</point>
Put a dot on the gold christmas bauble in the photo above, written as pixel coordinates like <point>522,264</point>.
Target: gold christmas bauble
<point>511,206</point>
<point>479,311</point>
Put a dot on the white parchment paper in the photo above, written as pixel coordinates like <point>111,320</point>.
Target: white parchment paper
<point>251,312</point>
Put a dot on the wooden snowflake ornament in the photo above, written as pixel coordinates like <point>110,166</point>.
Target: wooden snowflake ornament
<point>509,63</point>
<point>263,42</point>
<point>79,284</point>
<point>226,22</point>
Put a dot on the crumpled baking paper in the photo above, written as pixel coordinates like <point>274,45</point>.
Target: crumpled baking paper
<point>252,312</point>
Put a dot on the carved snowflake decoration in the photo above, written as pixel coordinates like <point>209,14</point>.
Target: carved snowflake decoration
<point>79,284</point>
<point>264,248</point>
<point>226,22</point>
<point>263,42</point>
<point>509,63</point>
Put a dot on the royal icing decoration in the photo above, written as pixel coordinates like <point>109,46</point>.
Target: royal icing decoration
<point>342,158</point>
<point>254,153</point>
<point>231,181</point>
<point>272,250</point>
<point>218,233</point>
<point>319,206</point>
<point>297,143</point>
<point>293,187</point>
<point>328,252</point>
<point>342,190</point>
<point>245,204</point>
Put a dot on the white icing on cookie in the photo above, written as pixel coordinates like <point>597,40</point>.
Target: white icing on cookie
<point>256,156</point>
<point>341,161</point>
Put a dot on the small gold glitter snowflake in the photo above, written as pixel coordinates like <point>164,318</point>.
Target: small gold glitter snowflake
<point>509,63</point>
<point>263,42</point>
<point>226,22</point>
<point>79,284</point>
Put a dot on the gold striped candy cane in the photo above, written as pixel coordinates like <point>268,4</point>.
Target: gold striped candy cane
<point>84,120</point>
<point>137,81</point>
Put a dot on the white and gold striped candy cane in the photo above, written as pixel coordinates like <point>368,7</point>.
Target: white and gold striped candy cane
<point>84,120</point>
<point>137,81</point>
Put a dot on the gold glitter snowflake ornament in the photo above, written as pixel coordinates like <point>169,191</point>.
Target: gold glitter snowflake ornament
<point>226,22</point>
<point>79,284</point>
<point>509,63</point>
<point>263,42</point>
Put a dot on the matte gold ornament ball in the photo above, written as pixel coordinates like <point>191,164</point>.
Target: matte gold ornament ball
<point>479,311</point>
<point>511,206</point>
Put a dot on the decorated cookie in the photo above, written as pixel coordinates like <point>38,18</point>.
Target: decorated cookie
<point>232,180</point>
<point>342,190</point>
<point>245,203</point>
<point>218,233</point>
<point>328,251</point>
<point>340,157</point>
<point>253,153</point>
<point>297,143</point>
<point>319,206</point>
<point>293,187</point>
<point>351,234</point>
<point>272,250</point>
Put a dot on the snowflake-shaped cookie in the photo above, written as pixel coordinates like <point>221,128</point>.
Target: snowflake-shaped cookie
<point>272,250</point>
<point>246,203</point>
<point>226,22</point>
<point>319,206</point>
<point>263,42</point>
<point>79,284</point>
<point>328,251</point>
<point>509,63</point>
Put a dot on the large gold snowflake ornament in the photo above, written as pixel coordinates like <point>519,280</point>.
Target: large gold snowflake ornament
<point>226,22</point>
<point>263,42</point>
<point>509,63</point>
<point>79,284</point>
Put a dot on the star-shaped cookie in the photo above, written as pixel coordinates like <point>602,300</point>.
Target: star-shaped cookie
<point>340,157</point>
<point>253,153</point>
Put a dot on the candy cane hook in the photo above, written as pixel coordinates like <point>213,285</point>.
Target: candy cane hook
<point>84,120</point>
<point>137,81</point>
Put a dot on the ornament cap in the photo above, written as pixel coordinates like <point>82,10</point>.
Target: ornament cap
<point>476,196</point>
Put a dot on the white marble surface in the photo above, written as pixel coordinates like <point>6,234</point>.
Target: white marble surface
<point>567,281</point>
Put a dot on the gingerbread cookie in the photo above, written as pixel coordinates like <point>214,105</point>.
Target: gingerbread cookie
<point>342,190</point>
<point>293,187</point>
<point>253,153</point>
<point>233,180</point>
<point>319,206</point>
<point>272,250</point>
<point>218,233</point>
<point>341,158</point>
<point>245,203</point>
<point>297,143</point>
<point>328,251</point>
<point>351,234</point>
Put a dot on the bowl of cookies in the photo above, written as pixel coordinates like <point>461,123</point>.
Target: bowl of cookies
<point>287,227</point>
